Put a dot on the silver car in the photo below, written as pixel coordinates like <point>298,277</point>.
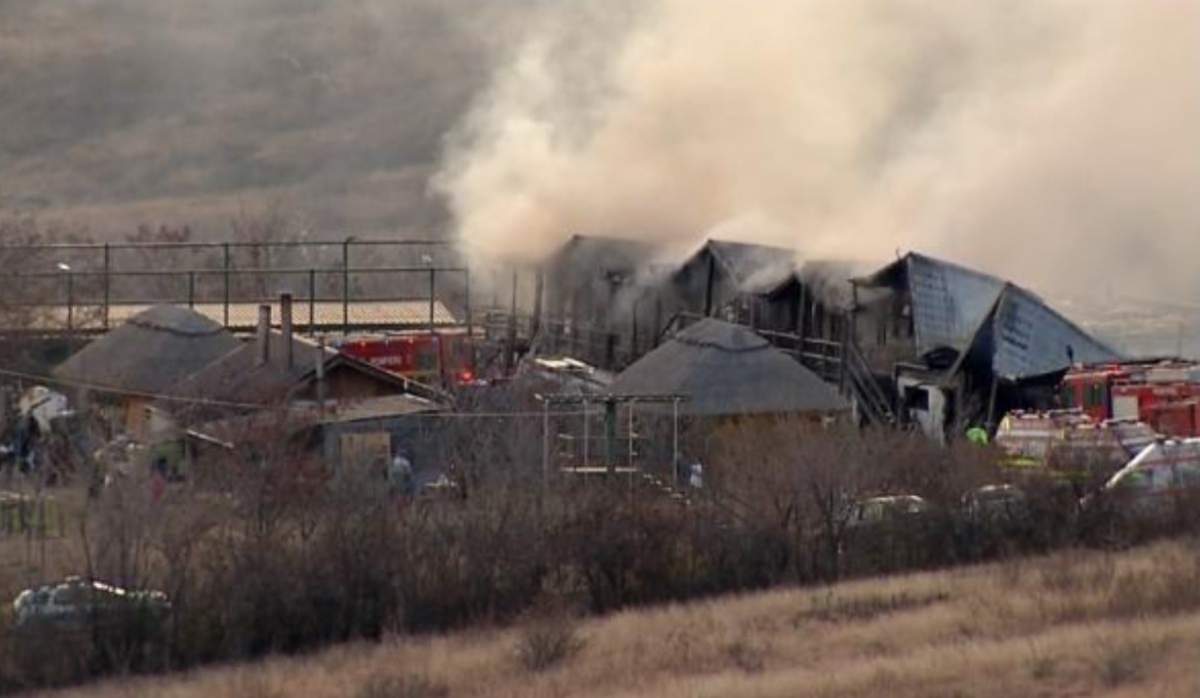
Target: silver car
<point>76,602</point>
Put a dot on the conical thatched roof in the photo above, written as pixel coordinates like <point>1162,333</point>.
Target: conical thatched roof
<point>727,370</point>
<point>151,352</point>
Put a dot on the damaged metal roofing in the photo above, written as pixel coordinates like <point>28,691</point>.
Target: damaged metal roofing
<point>956,307</point>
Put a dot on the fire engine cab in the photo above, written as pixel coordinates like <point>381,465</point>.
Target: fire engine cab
<point>441,358</point>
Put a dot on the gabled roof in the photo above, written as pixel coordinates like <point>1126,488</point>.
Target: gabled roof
<point>238,378</point>
<point>151,352</point>
<point>725,370</point>
<point>960,308</point>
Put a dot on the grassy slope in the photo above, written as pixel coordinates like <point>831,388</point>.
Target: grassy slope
<point>133,111</point>
<point>1071,624</point>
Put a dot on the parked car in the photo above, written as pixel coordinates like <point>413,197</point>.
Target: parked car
<point>889,533</point>
<point>77,603</point>
<point>996,506</point>
<point>994,517</point>
<point>878,511</point>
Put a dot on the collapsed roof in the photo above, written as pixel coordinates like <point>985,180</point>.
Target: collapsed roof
<point>985,318</point>
<point>724,369</point>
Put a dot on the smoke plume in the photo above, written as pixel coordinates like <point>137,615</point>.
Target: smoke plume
<point>1051,141</point>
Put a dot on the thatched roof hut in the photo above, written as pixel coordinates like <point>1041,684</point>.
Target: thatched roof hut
<point>727,370</point>
<point>151,353</point>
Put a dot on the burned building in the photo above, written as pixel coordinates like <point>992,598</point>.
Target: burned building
<point>956,346</point>
<point>599,299</point>
<point>760,286</point>
<point>608,301</point>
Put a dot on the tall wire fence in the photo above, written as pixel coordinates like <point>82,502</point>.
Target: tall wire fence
<point>338,285</point>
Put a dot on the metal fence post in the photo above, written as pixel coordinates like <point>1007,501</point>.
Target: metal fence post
<point>192,289</point>
<point>70,301</point>
<point>312,301</point>
<point>470,327</point>
<point>432,296</point>
<point>225,246</point>
<point>346,286</point>
<point>107,282</point>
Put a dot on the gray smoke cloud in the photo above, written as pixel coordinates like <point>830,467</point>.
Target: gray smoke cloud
<point>1051,141</point>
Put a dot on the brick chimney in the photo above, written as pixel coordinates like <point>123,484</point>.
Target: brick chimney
<point>285,323</point>
<point>263,336</point>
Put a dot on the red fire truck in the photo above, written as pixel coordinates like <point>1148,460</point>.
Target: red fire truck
<point>1164,394</point>
<point>440,358</point>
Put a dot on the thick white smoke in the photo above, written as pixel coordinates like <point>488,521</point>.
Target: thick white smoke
<point>1053,141</point>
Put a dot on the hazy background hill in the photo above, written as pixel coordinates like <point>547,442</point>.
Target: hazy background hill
<point>121,112</point>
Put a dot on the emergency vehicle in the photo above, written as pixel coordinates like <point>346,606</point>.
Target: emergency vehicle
<point>1163,394</point>
<point>436,358</point>
<point>1070,441</point>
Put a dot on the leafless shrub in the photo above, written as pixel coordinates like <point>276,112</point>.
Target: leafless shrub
<point>404,686</point>
<point>1122,663</point>
<point>1042,665</point>
<point>547,642</point>
<point>746,655</point>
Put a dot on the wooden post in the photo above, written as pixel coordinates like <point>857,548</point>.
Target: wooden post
<point>510,355</point>
<point>610,435</point>
<point>853,312</point>
<point>991,411</point>
<point>587,433</point>
<point>538,291</point>
<point>633,332</point>
<point>708,287</point>
<point>658,315</point>
<point>800,313</point>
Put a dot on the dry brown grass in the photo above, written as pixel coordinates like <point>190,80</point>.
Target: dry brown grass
<point>1075,623</point>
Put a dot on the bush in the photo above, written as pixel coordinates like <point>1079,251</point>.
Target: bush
<point>547,643</point>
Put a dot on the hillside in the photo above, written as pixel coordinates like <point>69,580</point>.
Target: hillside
<point>1071,624</point>
<point>134,111</point>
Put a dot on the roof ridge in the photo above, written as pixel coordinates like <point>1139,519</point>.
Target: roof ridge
<point>704,343</point>
<point>695,336</point>
<point>140,322</point>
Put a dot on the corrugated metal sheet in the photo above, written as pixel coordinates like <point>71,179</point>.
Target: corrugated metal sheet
<point>948,301</point>
<point>1031,339</point>
<point>950,305</point>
